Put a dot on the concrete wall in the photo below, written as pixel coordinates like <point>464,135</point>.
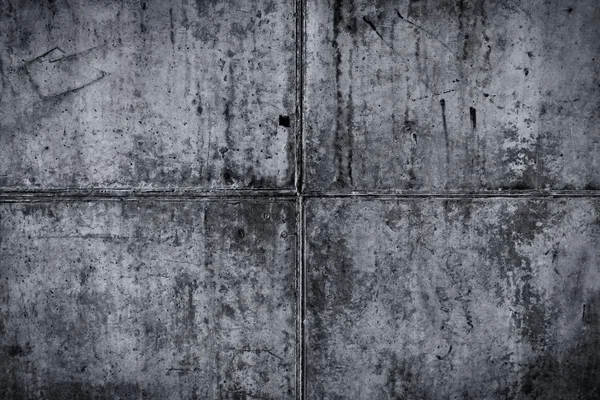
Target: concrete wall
<point>148,299</point>
<point>452,95</point>
<point>467,298</point>
<point>317,199</point>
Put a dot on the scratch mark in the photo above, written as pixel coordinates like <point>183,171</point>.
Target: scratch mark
<point>473,115</point>
<point>44,55</point>
<point>427,32</point>
<point>374,28</point>
<point>40,74</point>
<point>74,55</point>
<point>378,34</point>
<point>102,75</point>
<point>434,94</point>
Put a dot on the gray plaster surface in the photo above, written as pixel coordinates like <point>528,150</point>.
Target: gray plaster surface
<point>154,94</point>
<point>310,199</point>
<point>452,95</point>
<point>191,300</point>
<point>453,299</point>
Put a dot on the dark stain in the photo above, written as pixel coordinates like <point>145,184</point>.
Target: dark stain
<point>461,28</point>
<point>330,289</point>
<point>528,178</point>
<point>240,233</point>
<point>473,116</point>
<point>472,19</point>
<point>18,351</point>
<point>228,176</point>
<point>409,130</point>
<point>343,152</point>
<point>150,162</point>
<point>350,106</point>
<point>228,169</point>
<point>185,287</point>
<point>486,57</point>
<point>446,136</point>
<point>352,27</point>
<point>392,376</point>
<point>567,369</point>
<point>519,185</point>
<point>516,228</point>
<point>172,33</point>
<point>337,19</point>
<point>400,380</point>
<point>590,313</point>
<point>228,311</point>
<point>84,275</point>
<point>284,120</point>
<point>223,150</point>
<point>198,100</point>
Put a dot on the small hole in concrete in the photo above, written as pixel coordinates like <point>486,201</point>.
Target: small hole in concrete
<point>284,121</point>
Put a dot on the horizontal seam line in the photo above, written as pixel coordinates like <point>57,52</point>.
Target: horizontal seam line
<point>512,194</point>
<point>183,194</point>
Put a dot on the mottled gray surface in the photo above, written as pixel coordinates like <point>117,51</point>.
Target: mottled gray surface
<point>146,93</point>
<point>453,299</point>
<point>317,199</point>
<point>452,95</point>
<point>192,300</point>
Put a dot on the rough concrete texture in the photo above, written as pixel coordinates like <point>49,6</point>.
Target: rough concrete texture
<point>436,95</point>
<point>310,199</point>
<point>147,300</point>
<point>453,299</point>
<point>147,93</point>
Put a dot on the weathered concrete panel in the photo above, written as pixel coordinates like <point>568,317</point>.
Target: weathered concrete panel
<point>147,93</point>
<point>172,300</point>
<point>452,95</point>
<point>453,299</point>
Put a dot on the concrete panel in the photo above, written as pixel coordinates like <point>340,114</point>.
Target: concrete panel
<point>436,95</point>
<point>453,299</point>
<point>171,300</point>
<point>147,93</point>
